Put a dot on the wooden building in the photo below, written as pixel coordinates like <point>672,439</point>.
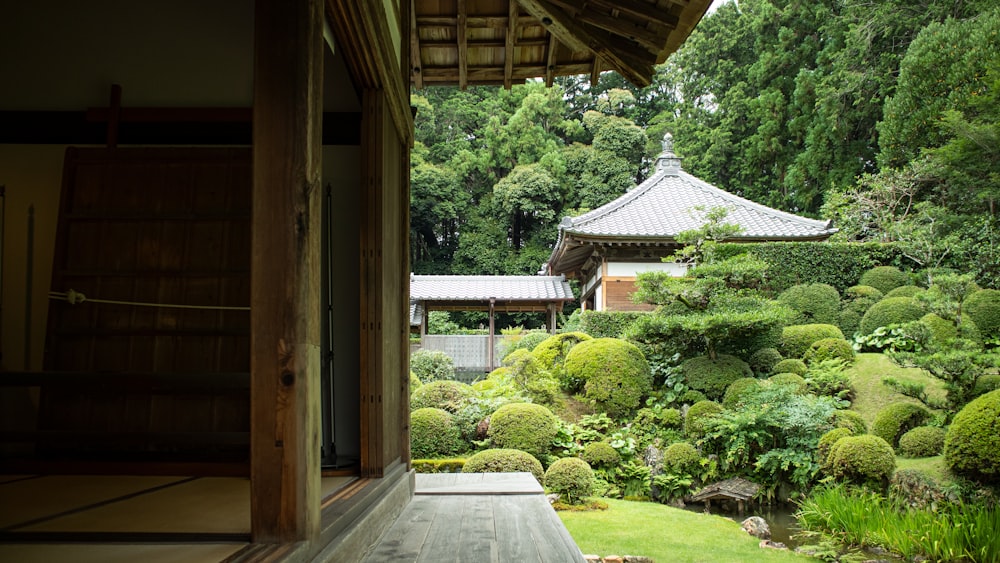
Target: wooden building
<point>205,255</point>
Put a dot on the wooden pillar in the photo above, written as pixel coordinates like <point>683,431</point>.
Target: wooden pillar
<point>285,271</point>
<point>551,321</point>
<point>491,343</point>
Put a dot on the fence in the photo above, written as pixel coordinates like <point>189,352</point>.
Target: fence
<point>469,352</point>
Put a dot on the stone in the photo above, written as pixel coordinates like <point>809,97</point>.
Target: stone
<point>483,429</point>
<point>772,544</point>
<point>638,559</point>
<point>591,558</point>
<point>757,527</point>
<point>552,498</point>
<point>613,559</point>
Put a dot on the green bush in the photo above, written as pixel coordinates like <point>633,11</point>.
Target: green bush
<point>762,361</point>
<point>791,365</point>
<point>740,390</point>
<point>812,303</point>
<point>601,455</point>
<point>524,426</point>
<point>796,339</point>
<point>697,414</point>
<point>608,324</point>
<point>691,397</point>
<point>551,354</point>
<point>433,433</point>
<point>865,459</point>
<point>671,418</point>
<point>432,365</point>
<point>972,443</point>
<point>985,384</point>
<point>438,465</point>
<point>922,441</point>
<point>793,379</point>
<point>983,307</point>
<point>528,375</point>
<point>867,292</point>
<point>447,395</point>
<point>681,458</point>
<point>615,374</point>
<point>826,442</point>
<point>896,419</point>
<point>830,349</point>
<point>504,461</point>
<point>857,300</point>
<point>895,310</point>
<point>850,419</point>
<point>942,330</point>
<point>884,278</point>
<point>526,341</point>
<point>711,377</point>
<point>570,477</point>
<point>905,291</point>
<point>414,381</point>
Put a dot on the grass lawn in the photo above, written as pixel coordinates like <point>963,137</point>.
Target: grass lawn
<point>933,467</point>
<point>667,534</point>
<point>871,395</point>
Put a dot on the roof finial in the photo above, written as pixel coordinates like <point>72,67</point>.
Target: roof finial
<point>668,142</point>
<point>668,162</point>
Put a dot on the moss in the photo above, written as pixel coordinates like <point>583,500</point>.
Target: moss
<point>826,442</point>
<point>791,365</point>
<point>504,461</point>
<point>681,458</point>
<point>438,465</point>
<point>865,459</point>
<point>432,365</point>
<point>552,351</point>
<point>796,339</point>
<point>762,361</point>
<point>830,349</point>
<point>694,420</point>
<point>433,433</point>
<point>793,379</point>
<point>896,419</point>
<point>738,390</point>
<point>711,377</point>
<point>524,426</point>
<point>671,418</point>
<point>615,374</point>
<point>849,419</point>
<point>973,439</point>
<point>812,303</point>
<point>922,441</point>
<point>884,278</point>
<point>942,330</point>
<point>895,310</point>
<point>570,477</point>
<point>447,395</point>
<point>983,307</point>
<point>904,291</point>
<point>601,454</point>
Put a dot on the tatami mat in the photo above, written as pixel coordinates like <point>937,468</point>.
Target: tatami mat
<point>118,553</point>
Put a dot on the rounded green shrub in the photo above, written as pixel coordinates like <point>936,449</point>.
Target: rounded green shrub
<point>681,457</point>
<point>523,426</point>
<point>571,478</point>
<point>972,443</point>
<point>601,454</point>
<point>552,351</point>
<point>830,349</point>
<point>671,418</point>
<point>485,385</point>
<point>527,341</point>
<point>983,307</point>
<point>985,384</point>
<point>433,434</point>
<point>791,365</point>
<point>793,379</point>
<point>691,397</point>
<point>739,390</point>
<point>864,459</point>
<point>904,291</point>
<point>884,278</point>
<point>504,461</point>
<point>711,377</point>
<point>414,381</point>
<point>796,339</point>
<point>896,419</point>
<point>447,395</point>
<point>843,418</point>
<point>432,365</point>
<point>922,441</point>
<point>762,361</point>
<point>942,330</point>
<point>895,310</point>
<point>857,300</point>
<point>615,374</point>
<point>812,303</point>
<point>826,442</point>
<point>856,292</point>
<point>528,375</point>
<point>697,414</point>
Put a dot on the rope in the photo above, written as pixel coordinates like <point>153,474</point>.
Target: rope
<point>75,298</point>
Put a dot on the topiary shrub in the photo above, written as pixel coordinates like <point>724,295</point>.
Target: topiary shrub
<point>796,339</point>
<point>681,458</point>
<point>671,418</point>
<point>983,308</point>
<point>551,354</point>
<point>526,341</point>
<point>826,442</point>
<point>942,330</point>
<point>865,459</point>
<point>528,375</point>
<point>601,454</point>
<point>570,477</point>
<point>922,441</point>
<point>739,390</point>
<point>504,461</point>
<point>762,361</point>
<point>694,420</point>
<point>432,365</point>
<point>433,433</point>
<point>615,374</point>
<point>691,397</point>
<point>830,349</point>
<point>857,300</point>
<point>414,381</point>
<point>884,278</point>
<point>904,291</point>
<point>985,384</point>
<point>523,426</point>
<point>812,303</point>
<point>853,420</point>
<point>447,395</point>
<point>711,377</point>
<point>973,439</point>
<point>896,419</point>
<point>856,292</point>
<point>791,365</point>
<point>895,310</point>
<point>793,379</point>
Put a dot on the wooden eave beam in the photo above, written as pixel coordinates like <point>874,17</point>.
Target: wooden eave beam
<point>416,76</point>
<point>551,58</point>
<point>483,43</point>
<point>508,60</point>
<point>618,57</point>
<point>463,47</point>
<point>639,9</point>
<point>490,22</point>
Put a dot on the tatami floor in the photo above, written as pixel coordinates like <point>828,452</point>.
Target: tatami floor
<point>107,519</point>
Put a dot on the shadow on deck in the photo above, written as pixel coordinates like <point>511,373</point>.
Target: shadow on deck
<point>477,517</point>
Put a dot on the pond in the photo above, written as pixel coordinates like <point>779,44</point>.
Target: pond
<point>780,518</point>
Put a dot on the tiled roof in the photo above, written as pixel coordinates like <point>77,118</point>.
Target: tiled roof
<point>482,288</point>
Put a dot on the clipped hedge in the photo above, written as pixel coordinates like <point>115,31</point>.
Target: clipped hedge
<point>432,365</point>
<point>526,341</point>
<point>884,278</point>
<point>865,459</point>
<point>843,418</point>
<point>616,375</point>
<point>942,330</point>
<point>551,354</point>
<point>523,426</point>
<point>793,379</point>
<point>791,365</point>
<point>739,390</point>
<point>601,454</point>
<point>571,478</point>
<point>922,441</point>
<point>905,291</point>
<point>896,419</point>
<point>762,361</point>
<point>681,458</point>
<point>830,349</point>
<point>608,324</point>
<point>504,461</point>
<point>826,442</point>
<point>438,465</point>
<point>447,395</point>
<point>433,433</point>
<point>694,420</point>
<point>983,307</point>
<point>796,339</point>
<point>711,377</point>
<point>973,439</point>
<point>895,310</point>
<point>812,303</point>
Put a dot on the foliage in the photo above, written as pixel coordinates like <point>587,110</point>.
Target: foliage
<point>438,465</point>
<point>790,365</point>
<point>827,379</point>
<point>983,307</point>
<point>697,417</point>
<point>615,374</point>
<point>634,477</point>
<point>432,365</point>
<point>608,324</point>
<point>826,442</point>
<point>796,339</point>
<point>906,337</point>
<point>852,420</point>
<point>865,460</point>
<point>830,349</point>
<point>796,381</point>
<point>884,278</point>
<point>959,365</point>
<point>523,426</point>
<point>892,311</point>
<point>904,291</point>
<point>711,377</point>
<point>600,455</point>
<point>524,341</point>
<point>896,419</point>
<point>570,477</point>
<point>681,458</point>
<point>433,433</point>
<point>738,389</point>
<point>447,395</point>
<point>527,374</point>
<point>414,381</point>
<point>857,300</point>
<point>813,303</point>
<point>552,351</point>
<point>973,439</point>
<point>504,461</point>
<point>922,441</point>
<point>762,361</point>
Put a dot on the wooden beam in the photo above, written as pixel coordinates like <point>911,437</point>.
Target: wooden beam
<point>463,48</point>
<point>484,43</point>
<point>595,72</point>
<point>508,60</point>
<point>552,58</point>
<point>285,271</point>
<point>415,63</point>
<point>640,9</point>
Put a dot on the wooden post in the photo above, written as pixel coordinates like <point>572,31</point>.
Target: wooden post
<point>285,271</point>
<point>490,343</point>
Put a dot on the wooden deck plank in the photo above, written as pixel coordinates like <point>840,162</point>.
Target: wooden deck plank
<point>514,538</point>
<point>477,483</point>
<point>406,537</point>
<point>442,540</point>
<point>477,536</point>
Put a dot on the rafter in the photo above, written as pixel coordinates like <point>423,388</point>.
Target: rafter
<point>552,57</point>
<point>641,10</point>
<point>415,71</point>
<point>508,60</point>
